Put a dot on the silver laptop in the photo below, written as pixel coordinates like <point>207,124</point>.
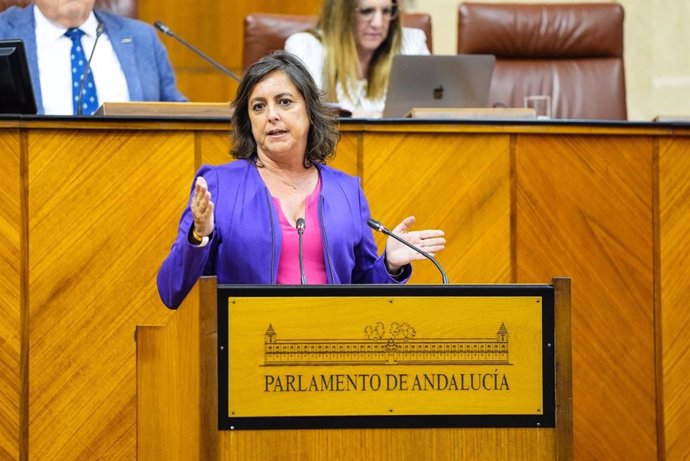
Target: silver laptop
<point>454,81</point>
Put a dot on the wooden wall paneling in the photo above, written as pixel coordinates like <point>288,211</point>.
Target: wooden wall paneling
<point>459,183</point>
<point>237,12</point>
<point>206,25</point>
<point>233,14</point>
<point>217,29</point>
<point>674,222</point>
<point>104,203</point>
<point>584,210</point>
<point>11,296</point>
<point>212,148</point>
<point>348,155</point>
<point>204,85</point>
<point>103,208</point>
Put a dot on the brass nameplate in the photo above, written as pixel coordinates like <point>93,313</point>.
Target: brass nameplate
<point>333,356</point>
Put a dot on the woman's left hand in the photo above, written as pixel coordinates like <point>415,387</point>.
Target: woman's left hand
<point>398,255</point>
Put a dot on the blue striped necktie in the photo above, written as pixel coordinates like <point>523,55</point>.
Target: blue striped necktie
<point>89,100</point>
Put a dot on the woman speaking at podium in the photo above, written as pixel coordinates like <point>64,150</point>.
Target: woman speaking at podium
<point>278,214</point>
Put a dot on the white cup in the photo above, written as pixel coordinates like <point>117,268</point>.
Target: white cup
<point>541,105</point>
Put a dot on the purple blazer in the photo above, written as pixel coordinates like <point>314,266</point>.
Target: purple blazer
<point>245,245</point>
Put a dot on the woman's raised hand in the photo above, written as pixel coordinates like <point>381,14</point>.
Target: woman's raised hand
<point>202,208</point>
<point>397,255</point>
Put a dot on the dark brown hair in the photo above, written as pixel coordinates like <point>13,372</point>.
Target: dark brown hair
<point>323,132</point>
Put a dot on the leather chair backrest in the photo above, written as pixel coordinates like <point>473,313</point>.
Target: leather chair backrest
<point>572,52</point>
<point>122,7</point>
<point>264,33</point>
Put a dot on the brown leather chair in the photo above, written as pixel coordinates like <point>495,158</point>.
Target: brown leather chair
<point>264,33</point>
<point>121,7</point>
<point>572,52</point>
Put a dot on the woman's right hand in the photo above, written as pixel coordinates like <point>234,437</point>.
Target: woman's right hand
<point>202,208</point>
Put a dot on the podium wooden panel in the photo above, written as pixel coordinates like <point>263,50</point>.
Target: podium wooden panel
<point>178,413</point>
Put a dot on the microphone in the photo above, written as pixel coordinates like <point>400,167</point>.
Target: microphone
<point>377,226</point>
<point>99,31</point>
<point>167,31</point>
<point>301,225</point>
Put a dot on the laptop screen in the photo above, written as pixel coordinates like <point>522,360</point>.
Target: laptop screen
<point>453,81</point>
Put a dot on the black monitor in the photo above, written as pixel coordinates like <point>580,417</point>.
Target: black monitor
<point>16,92</point>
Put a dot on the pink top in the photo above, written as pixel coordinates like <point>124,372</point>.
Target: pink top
<point>312,245</point>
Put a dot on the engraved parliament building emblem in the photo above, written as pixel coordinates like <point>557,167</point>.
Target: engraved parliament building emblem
<point>398,345</point>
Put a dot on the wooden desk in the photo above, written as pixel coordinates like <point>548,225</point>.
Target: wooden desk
<point>90,208</point>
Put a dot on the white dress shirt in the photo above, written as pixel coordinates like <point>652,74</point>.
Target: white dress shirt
<point>310,50</point>
<point>53,49</point>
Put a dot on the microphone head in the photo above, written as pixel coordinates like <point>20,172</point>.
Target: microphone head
<point>100,29</point>
<point>301,225</point>
<point>377,226</point>
<point>162,27</point>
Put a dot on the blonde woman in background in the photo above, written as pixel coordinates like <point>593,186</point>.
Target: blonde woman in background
<point>350,52</point>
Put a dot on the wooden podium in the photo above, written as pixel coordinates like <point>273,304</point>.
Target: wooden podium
<point>178,374</point>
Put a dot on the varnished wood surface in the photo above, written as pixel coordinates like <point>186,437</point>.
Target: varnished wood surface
<point>168,386</point>
<point>519,203</point>
<point>165,109</point>
<point>584,209</point>
<point>564,368</point>
<point>440,180</point>
<point>169,367</point>
<point>401,444</point>
<point>674,274</point>
<point>11,295</point>
<point>217,29</point>
<point>92,279</point>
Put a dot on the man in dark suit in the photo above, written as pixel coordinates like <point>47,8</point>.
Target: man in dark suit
<point>129,64</point>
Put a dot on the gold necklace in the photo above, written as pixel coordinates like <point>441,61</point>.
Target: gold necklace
<point>283,180</point>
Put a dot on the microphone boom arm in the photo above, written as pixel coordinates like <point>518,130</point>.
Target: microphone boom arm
<point>381,228</point>
<point>167,31</point>
<point>99,31</point>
